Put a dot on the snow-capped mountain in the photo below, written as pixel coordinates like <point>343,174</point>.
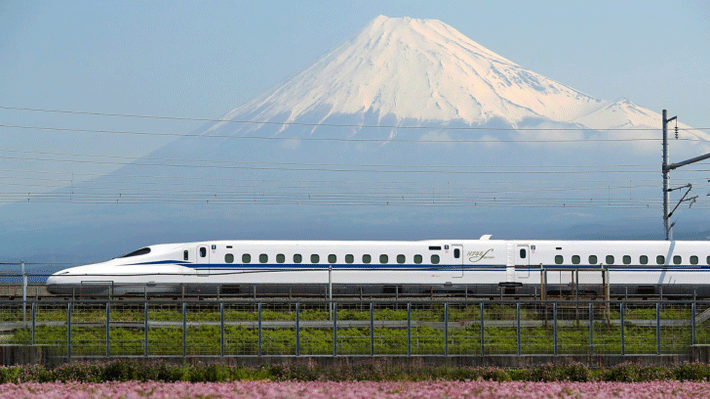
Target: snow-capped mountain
<point>413,71</point>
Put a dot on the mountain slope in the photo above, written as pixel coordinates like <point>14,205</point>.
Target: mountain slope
<point>417,69</point>
<point>424,71</point>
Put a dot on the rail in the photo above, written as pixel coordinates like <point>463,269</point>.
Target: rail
<point>568,290</point>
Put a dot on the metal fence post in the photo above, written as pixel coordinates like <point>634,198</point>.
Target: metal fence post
<point>591,328</point>
<point>554,326</point>
<point>335,328</point>
<point>483,333</point>
<point>692,323</point>
<point>372,330</point>
<point>409,329</point>
<point>24,295</point>
<point>298,340</point>
<point>184,329</point>
<point>108,329</point>
<point>221,328</point>
<point>145,327</point>
<point>517,324</point>
<point>658,328</point>
<point>446,329</point>
<point>69,305</point>
<point>34,313</point>
<point>259,332</point>
<point>623,327</point>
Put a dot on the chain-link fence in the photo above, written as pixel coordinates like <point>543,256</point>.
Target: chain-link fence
<point>356,328</point>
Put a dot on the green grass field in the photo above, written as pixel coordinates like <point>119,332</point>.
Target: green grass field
<point>202,335</point>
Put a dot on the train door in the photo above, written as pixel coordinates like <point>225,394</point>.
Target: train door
<point>510,261</point>
<point>203,260</point>
<point>522,261</point>
<point>457,266</point>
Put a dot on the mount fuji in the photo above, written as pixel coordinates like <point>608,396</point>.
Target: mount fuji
<point>405,71</point>
<point>406,130</point>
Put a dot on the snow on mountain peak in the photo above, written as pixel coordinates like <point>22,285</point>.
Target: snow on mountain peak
<point>418,69</point>
<point>424,71</point>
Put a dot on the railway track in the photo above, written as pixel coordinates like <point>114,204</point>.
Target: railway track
<point>38,292</point>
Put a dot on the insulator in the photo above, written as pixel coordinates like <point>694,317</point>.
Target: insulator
<point>676,132</point>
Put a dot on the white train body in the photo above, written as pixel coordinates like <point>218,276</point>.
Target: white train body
<point>394,263</point>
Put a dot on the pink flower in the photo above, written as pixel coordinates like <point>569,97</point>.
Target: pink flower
<point>356,390</point>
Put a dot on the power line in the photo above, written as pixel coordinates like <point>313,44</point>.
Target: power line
<point>200,179</point>
<point>303,189</point>
<point>326,168</point>
<point>346,125</point>
<point>216,161</point>
<point>355,199</point>
<point>359,140</point>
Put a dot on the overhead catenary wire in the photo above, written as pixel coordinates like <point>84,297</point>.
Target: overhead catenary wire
<point>315,124</point>
<point>301,167</point>
<point>510,169</point>
<point>131,159</point>
<point>383,140</point>
<point>259,192</point>
<point>201,179</point>
<point>354,200</point>
<point>264,191</point>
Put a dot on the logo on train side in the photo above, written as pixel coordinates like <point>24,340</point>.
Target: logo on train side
<point>476,256</point>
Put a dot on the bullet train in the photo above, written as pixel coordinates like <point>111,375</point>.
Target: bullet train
<point>631,266</point>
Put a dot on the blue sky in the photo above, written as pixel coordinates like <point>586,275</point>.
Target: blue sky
<point>202,59</point>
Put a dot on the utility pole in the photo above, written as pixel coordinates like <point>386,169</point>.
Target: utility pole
<point>666,168</point>
<point>666,178</point>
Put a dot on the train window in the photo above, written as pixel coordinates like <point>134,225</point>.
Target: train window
<point>384,258</point>
<point>297,258</point>
<point>142,251</point>
<point>203,252</point>
<point>575,259</point>
<point>592,259</point>
<point>708,260</point>
<point>626,259</point>
<point>228,258</point>
<point>185,255</point>
<point>693,260</point>
<point>366,258</point>
<point>435,259</point>
<point>660,259</point>
<point>280,258</point>
<point>643,259</point>
<point>677,260</point>
<point>457,253</point>
<point>349,258</point>
<point>332,258</point>
<point>315,258</point>
<point>263,258</point>
<point>418,259</point>
<point>523,253</point>
<point>401,258</point>
<point>610,259</point>
<point>246,258</point>
<point>559,259</point>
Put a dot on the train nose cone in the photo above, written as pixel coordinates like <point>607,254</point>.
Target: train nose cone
<point>54,283</point>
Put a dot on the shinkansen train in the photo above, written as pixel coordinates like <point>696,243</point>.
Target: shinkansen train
<point>631,266</point>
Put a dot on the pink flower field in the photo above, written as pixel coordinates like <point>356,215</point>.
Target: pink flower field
<point>367,389</point>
